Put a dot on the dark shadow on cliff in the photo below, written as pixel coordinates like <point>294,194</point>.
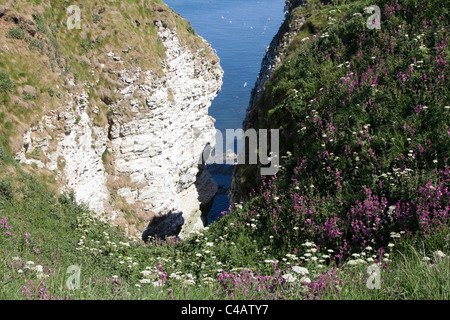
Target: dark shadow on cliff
<point>206,186</point>
<point>221,174</point>
<point>161,227</point>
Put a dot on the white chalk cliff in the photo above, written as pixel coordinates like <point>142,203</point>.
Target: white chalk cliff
<point>155,137</point>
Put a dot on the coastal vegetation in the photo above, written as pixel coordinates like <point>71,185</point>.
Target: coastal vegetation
<point>358,210</point>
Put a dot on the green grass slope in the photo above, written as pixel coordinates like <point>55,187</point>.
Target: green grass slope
<point>358,210</point>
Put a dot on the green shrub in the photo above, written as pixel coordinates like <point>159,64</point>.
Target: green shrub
<point>28,96</point>
<point>87,45</point>
<point>53,29</point>
<point>5,83</point>
<point>8,126</point>
<point>35,43</point>
<point>16,33</point>
<point>96,18</point>
<point>6,189</point>
<point>190,30</point>
<point>41,27</point>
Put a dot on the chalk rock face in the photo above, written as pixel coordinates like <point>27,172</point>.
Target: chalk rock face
<point>161,149</point>
<point>79,149</point>
<point>155,137</point>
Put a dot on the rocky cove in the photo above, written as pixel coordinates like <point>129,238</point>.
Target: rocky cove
<point>103,125</point>
<point>241,40</point>
<point>146,161</point>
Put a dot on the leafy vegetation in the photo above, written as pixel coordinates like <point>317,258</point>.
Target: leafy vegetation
<point>6,84</point>
<point>363,184</point>
<point>16,33</point>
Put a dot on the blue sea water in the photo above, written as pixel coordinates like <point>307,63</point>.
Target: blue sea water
<point>239,31</point>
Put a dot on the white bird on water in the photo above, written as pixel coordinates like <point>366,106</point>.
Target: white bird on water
<point>245,84</point>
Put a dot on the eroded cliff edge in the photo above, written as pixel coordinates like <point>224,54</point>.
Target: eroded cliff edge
<point>127,138</point>
<point>275,54</point>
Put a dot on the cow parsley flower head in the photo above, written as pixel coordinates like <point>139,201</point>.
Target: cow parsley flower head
<point>439,254</point>
<point>289,277</point>
<point>39,268</point>
<point>305,280</point>
<point>145,281</point>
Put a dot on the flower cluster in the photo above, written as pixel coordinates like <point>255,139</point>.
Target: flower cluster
<point>154,275</point>
<point>4,225</point>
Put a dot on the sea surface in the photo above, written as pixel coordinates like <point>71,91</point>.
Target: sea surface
<point>239,31</point>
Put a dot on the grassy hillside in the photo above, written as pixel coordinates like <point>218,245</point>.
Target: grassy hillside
<point>36,41</point>
<point>364,182</point>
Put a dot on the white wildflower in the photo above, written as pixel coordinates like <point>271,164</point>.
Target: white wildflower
<point>189,282</point>
<point>439,254</point>
<point>289,277</point>
<point>145,281</point>
<point>39,268</point>
<point>305,280</point>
